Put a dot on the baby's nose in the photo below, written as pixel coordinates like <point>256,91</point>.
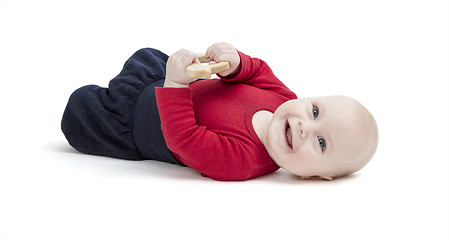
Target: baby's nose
<point>302,131</point>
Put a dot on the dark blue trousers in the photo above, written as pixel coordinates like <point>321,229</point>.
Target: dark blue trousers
<point>121,121</point>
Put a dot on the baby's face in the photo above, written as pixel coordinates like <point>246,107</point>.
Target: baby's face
<point>323,136</point>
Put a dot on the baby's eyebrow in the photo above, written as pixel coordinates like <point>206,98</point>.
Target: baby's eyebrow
<point>320,104</point>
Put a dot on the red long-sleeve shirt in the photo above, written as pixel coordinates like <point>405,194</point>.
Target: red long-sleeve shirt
<point>208,126</point>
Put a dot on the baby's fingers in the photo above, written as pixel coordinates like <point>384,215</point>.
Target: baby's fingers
<point>215,48</point>
<point>224,55</point>
<point>185,57</point>
<point>211,52</point>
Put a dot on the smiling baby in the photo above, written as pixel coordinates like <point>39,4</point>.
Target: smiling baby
<point>244,124</point>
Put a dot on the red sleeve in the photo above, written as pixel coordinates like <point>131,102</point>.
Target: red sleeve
<point>255,72</point>
<point>219,157</point>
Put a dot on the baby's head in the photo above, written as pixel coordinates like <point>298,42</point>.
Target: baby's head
<point>323,137</point>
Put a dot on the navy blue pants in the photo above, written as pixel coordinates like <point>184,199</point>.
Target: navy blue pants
<point>121,121</point>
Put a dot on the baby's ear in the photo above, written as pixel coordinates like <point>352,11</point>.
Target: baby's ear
<point>327,178</point>
<point>315,178</point>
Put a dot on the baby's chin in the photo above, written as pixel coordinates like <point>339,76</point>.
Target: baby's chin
<point>297,171</point>
<point>310,172</point>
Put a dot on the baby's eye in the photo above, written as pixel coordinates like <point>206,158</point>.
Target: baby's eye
<point>315,112</point>
<point>322,143</point>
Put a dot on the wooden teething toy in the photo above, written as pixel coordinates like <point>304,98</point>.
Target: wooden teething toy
<point>196,70</point>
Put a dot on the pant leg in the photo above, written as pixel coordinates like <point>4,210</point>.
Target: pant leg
<point>99,120</point>
<point>91,127</point>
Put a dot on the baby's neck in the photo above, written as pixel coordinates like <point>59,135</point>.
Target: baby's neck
<point>261,120</point>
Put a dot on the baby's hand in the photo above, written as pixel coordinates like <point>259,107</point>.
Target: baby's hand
<point>220,52</point>
<point>176,69</point>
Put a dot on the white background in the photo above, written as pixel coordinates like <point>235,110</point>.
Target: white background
<point>390,55</point>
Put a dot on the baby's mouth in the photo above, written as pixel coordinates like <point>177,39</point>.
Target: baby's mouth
<point>288,134</point>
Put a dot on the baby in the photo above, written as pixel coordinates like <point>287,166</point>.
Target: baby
<point>243,125</point>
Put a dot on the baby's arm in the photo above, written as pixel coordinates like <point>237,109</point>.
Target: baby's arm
<point>247,70</point>
<point>215,154</point>
<point>218,156</point>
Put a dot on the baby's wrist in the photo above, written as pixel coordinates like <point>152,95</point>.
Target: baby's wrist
<point>235,72</point>
<point>172,84</point>
<point>232,74</point>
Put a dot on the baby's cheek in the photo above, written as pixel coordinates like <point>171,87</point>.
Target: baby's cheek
<point>304,156</point>
<point>297,163</point>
